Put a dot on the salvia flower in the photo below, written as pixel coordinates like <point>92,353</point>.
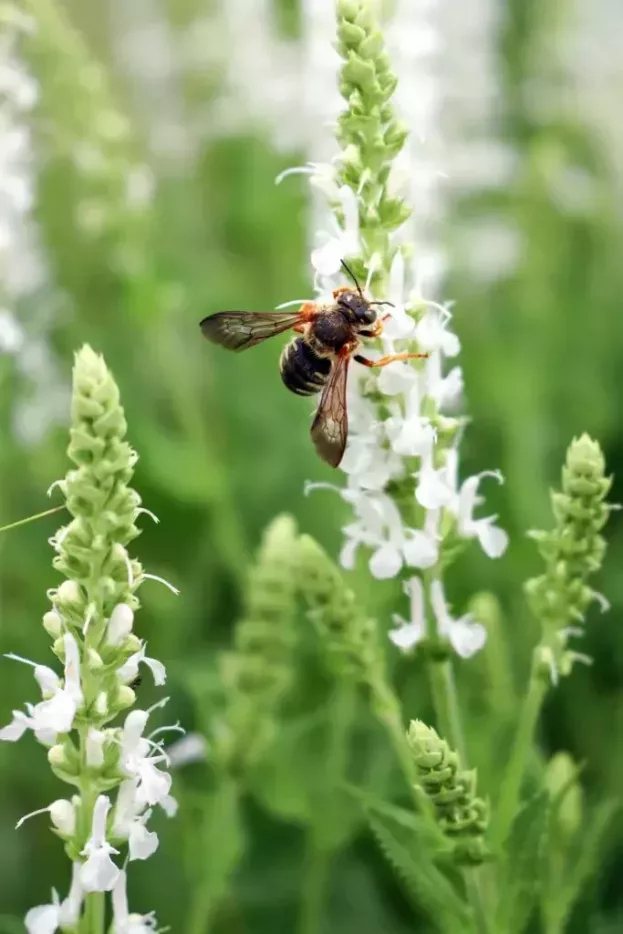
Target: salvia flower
<point>411,513</point>
<point>120,772</point>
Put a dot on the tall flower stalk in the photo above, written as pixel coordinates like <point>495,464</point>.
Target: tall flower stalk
<point>412,516</point>
<point>118,774</point>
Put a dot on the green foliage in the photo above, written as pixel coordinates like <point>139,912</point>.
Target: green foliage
<point>224,449</point>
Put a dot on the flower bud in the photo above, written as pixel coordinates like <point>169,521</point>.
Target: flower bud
<point>69,594</point>
<point>120,624</point>
<point>95,748</point>
<point>63,816</point>
<point>125,697</point>
<point>94,660</point>
<point>101,704</point>
<point>53,623</point>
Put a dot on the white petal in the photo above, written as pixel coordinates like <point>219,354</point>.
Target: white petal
<point>414,589</point>
<point>350,208</point>
<point>420,550</point>
<point>405,637</point>
<point>120,903</point>
<point>72,668</point>
<point>399,325</point>
<point>154,784</point>
<point>133,727</point>
<point>396,378</point>
<point>432,490</point>
<point>326,260</point>
<point>347,560</point>
<point>47,679</point>
<point>16,728</point>
<point>169,805</point>
<point>100,815</point>
<point>98,873</point>
<point>44,919</point>
<point>126,808</point>
<point>190,748</point>
<point>440,607</point>
<point>493,540</point>
<point>466,637</point>
<point>142,842</point>
<point>386,562</point>
<point>56,714</point>
<point>157,669</point>
<point>71,906</point>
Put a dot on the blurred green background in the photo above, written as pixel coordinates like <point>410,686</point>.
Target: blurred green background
<point>223,448</point>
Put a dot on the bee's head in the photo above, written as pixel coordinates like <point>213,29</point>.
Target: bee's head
<point>356,308</point>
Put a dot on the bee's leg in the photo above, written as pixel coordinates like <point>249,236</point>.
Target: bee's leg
<point>390,358</point>
<point>377,329</point>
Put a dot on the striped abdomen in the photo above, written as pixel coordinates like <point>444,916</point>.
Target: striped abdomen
<point>302,370</point>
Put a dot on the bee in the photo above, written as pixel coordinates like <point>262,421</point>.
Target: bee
<point>317,360</point>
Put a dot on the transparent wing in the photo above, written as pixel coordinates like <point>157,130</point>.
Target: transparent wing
<point>238,330</point>
<point>330,426</point>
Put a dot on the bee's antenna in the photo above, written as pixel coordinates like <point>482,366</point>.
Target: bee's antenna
<point>353,277</point>
<point>391,304</point>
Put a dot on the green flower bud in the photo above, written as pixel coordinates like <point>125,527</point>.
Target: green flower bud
<point>572,551</point>
<point>461,815</point>
<point>350,639</point>
<point>258,672</point>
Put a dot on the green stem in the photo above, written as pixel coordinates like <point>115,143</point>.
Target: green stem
<point>446,704</point>
<point>93,917</point>
<point>317,862</point>
<point>522,746</point>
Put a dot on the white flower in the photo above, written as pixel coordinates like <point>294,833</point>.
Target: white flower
<point>493,540</point>
<point>380,527</point>
<point>46,919</point>
<point>129,670</point>
<point>431,331</point>
<point>99,873</point>
<point>464,634</point>
<point>410,434</point>
<point>123,921</point>
<point>139,758</point>
<point>326,259</point>
<point>408,634</point>
<point>141,842</point>
<point>445,390</point>
<point>437,488</point>
<point>56,713</point>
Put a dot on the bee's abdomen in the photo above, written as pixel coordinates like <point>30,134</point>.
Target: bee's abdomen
<point>302,370</point>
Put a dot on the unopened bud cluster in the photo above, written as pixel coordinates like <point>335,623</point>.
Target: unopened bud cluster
<point>573,550</point>
<point>91,627</point>
<point>349,638</point>
<point>460,813</point>
<point>368,133</point>
<point>258,671</point>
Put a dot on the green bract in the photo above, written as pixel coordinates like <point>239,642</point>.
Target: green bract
<point>573,550</point>
<point>461,814</point>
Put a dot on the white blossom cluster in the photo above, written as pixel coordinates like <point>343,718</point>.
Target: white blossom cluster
<point>123,758</point>
<point>399,422</point>
<point>22,267</point>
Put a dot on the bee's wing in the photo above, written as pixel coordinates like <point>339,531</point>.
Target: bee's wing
<point>330,426</point>
<point>238,330</point>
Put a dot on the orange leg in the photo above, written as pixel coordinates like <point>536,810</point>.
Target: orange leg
<point>390,358</point>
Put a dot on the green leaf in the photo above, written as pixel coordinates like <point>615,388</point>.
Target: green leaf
<point>215,852</point>
<point>523,867</point>
<point>413,863</point>
<point>557,904</point>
